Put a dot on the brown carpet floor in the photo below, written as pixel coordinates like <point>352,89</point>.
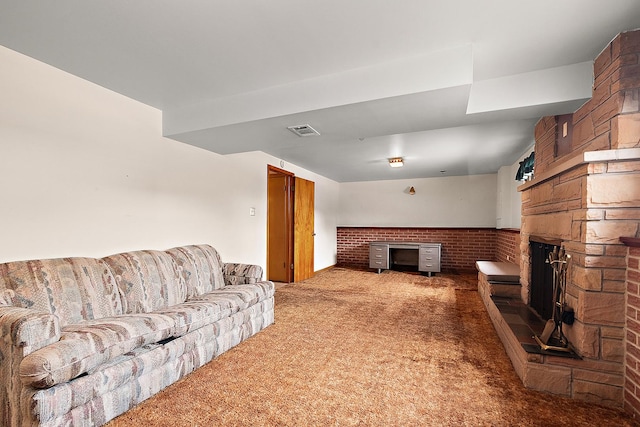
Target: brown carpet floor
<point>358,348</point>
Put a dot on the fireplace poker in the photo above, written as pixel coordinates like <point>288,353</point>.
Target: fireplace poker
<point>558,259</point>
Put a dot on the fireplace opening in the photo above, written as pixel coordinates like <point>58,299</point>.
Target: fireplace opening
<point>548,289</point>
<point>541,290</point>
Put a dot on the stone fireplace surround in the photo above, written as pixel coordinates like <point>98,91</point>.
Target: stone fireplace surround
<point>588,199</point>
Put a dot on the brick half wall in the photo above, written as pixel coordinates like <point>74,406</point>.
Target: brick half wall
<point>508,245</point>
<point>632,359</point>
<point>461,247</point>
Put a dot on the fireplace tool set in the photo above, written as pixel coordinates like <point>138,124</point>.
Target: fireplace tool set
<point>552,337</point>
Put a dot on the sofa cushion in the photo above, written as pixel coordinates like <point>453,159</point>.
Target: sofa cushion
<point>85,346</point>
<point>192,315</point>
<point>201,267</point>
<point>239,297</point>
<point>250,293</point>
<point>148,280</point>
<point>231,302</point>
<point>74,289</point>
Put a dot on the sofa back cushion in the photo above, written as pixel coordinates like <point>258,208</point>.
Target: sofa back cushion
<point>201,266</point>
<point>73,289</point>
<point>148,280</point>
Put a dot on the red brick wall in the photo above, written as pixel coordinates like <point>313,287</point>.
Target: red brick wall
<point>461,247</point>
<point>632,374</point>
<point>508,245</point>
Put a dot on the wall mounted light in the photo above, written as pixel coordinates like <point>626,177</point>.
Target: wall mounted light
<point>412,191</point>
<point>396,162</point>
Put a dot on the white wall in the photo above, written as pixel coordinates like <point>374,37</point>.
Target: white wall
<point>509,204</point>
<point>85,172</point>
<point>461,201</point>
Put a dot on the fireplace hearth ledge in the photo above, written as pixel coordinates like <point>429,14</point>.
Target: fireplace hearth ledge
<point>538,370</point>
<point>532,368</point>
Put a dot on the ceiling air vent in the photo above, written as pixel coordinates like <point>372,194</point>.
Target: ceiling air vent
<point>303,130</point>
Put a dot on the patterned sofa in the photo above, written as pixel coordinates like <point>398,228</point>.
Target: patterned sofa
<point>84,339</point>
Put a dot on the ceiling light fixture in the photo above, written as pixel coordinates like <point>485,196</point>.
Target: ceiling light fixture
<point>303,130</point>
<point>396,162</point>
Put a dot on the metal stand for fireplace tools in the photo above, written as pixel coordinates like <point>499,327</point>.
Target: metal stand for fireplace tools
<point>552,337</point>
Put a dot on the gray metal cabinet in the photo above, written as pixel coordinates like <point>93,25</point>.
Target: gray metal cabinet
<point>429,257</point>
<point>379,256</point>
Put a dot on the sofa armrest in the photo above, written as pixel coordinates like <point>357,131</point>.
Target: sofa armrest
<point>240,274</point>
<point>22,331</point>
<point>28,329</point>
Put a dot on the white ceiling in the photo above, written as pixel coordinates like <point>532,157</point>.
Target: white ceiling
<point>453,86</point>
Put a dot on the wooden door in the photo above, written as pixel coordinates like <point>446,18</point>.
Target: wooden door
<point>303,213</point>
<point>279,225</point>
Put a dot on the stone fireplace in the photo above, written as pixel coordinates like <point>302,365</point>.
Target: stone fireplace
<point>585,197</point>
